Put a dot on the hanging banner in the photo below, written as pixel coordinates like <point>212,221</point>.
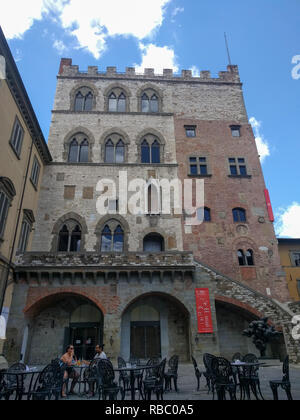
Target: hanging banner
<point>205,324</point>
<point>269,206</point>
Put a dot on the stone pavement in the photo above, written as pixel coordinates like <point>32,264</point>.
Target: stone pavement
<point>187,384</point>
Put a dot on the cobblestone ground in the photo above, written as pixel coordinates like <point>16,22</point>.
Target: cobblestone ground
<point>187,384</point>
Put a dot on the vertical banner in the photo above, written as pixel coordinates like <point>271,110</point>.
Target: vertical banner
<point>269,206</point>
<point>205,324</point>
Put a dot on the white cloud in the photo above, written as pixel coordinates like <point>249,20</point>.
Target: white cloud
<point>60,46</point>
<point>17,16</point>
<point>195,71</point>
<point>261,142</point>
<point>156,57</point>
<point>91,21</point>
<point>176,11</point>
<point>288,223</point>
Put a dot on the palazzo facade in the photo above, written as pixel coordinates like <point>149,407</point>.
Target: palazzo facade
<point>128,279</point>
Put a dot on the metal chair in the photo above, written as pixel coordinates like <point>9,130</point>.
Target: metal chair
<point>90,376</point>
<point>15,383</point>
<point>249,377</point>
<point>207,360</point>
<point>285,383</point>
<point>59,369</point>
<point>124,378</point>
<point>198,374</point>
<point>106,378</point>
<point>223,378</point>
<point>156,384</point>
<point>44,384</point>
<point>4,392</point>
<point>172,373</point>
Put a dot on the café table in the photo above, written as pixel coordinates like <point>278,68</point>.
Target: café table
<point>132,369</point>
<point>245,387</point>
<point>23,378</point>
<point>81,368</point>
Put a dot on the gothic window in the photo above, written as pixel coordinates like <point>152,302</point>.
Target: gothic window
<point>241,257</point>
<point>112,239</point>
<point>117,101</point>
<point>250,257</point>
<point>150,150</point>
<point>114,150</point>
<point>79,149</point>
<point>84,100</point>
<point>239,215</point>
<point>246,258</point>
<point>150,102</point>
<point>154,243</point>
<point>70,237</point>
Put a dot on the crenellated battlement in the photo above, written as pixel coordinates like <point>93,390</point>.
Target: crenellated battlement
<point>67,69</point>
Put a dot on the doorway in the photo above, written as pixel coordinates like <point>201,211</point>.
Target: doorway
<point>145,340</point>
<point>84,338</point>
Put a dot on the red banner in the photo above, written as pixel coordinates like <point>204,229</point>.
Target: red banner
<point>205,324</point>
<point>269,206</point>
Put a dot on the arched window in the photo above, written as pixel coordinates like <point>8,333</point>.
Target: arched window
<point>69,237</point>
<point>154,104</point>
<point>250,257</point>
<point>73,151</point>
<point>145,103</point>
<point>79,150</point>
<point>149,101</point>
<point>239,215</point>
<point>155,152</point>
<point>150,150</point>
<point>154,243</point>
<point>84,100</point>
<point>120,152</point>
<point>241,257</point>
<point>84,151</point>
<point>117,102</point>
<point>114,151</point>
<point>112,240</point>
<point>204,214</point>
<point>145,152</point>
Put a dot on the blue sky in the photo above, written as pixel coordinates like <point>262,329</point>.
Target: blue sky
<point>263,35</point>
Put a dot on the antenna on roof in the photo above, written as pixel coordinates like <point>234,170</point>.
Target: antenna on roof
<point>227,47</point>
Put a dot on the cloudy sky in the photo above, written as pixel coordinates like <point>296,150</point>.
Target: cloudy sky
<point>180,34</point>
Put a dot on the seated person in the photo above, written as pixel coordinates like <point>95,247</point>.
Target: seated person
<point>91,379</point>
<point>70,359</point>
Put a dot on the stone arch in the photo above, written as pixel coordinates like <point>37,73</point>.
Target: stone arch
<point>155,230</point>
<point>118,87</point>
<point>174,298</point>
<point>150,87</point>
<point>61,221</point>
<point>155,134</point>
<point>279,314</point>
<point>168,307</point>
<point>79,86</point>
<point>119,220</point>
<point>46,298</point>
<point>69,137</point>
<point>115,131</point>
